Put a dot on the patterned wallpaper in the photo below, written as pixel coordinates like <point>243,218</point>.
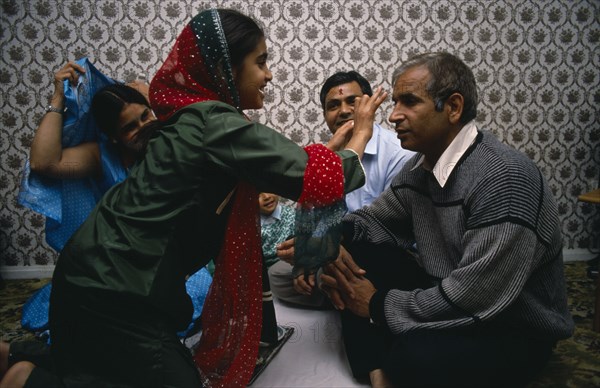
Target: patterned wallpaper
<point>536,64</point>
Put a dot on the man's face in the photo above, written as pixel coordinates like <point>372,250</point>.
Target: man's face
<point>419,126</point>
<point>339,104</point>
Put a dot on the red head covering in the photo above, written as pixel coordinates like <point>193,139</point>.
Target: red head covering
<point>197,69</point>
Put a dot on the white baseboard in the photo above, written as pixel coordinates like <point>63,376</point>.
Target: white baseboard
<point>45,271</point>
<point>578,255</point>
<point>27,272</point>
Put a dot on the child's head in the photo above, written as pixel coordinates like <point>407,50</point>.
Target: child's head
<point>220,55</point>
<point>267,203</point>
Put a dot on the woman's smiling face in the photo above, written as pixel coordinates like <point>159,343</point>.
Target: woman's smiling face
<point>252,77</point>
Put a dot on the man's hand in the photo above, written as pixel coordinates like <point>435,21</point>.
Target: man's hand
<point>304,284</point>
<point>335,279</point>
<point>285,251</point>
<point>363,291</point>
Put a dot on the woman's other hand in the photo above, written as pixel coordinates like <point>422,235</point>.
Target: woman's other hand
<point>364,116</point>
<point>341,136</point>
<point>70,72</point>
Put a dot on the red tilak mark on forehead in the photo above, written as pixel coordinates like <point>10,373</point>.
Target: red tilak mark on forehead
<point>341,91</point>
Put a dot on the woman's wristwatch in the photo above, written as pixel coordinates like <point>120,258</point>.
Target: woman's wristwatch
<point>54,109</point>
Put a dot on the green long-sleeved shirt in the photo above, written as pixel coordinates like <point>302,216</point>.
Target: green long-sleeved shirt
<point>161,223</point>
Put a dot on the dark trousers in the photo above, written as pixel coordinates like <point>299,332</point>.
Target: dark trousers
<point>102,341</point>
<point>268,334</point>
<point>484,355</point>
<point>38,353</point>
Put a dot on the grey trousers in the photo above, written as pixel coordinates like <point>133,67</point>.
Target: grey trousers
<point>282,286</point>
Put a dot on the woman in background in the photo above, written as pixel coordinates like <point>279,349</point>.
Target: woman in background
<point>92,132</point>
<point>82,163</point>
<point>192,197</point>
<point>87,169</point>
<point>121,111</point>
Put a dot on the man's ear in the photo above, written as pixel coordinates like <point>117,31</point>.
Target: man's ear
<point>454,105</point>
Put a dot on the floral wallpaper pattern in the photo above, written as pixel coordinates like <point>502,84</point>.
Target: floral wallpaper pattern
<point>536,64</point>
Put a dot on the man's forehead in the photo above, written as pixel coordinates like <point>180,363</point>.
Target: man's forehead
<point>410,87</point>
<point>343,91</point>
<point>414,80</point>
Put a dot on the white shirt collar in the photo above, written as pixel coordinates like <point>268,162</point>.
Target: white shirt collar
<point>371,147</point>
<point>446,163</point>
<point>275,216</point>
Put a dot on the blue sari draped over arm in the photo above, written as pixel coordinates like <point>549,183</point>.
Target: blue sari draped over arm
<point>66,203</point>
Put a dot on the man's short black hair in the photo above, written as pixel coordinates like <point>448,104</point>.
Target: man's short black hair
<point>343,77</point>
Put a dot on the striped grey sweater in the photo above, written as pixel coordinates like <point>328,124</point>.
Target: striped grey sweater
<point>491,235</point>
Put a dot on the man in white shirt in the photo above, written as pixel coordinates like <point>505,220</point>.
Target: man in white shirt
<point>383,158</point>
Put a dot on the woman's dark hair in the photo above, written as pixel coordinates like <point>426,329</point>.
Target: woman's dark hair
<point>242,34</point>
<point>341,78</point>
<point>108,103</point>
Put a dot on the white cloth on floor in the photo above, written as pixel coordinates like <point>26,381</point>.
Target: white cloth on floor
<point>314,356</point>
